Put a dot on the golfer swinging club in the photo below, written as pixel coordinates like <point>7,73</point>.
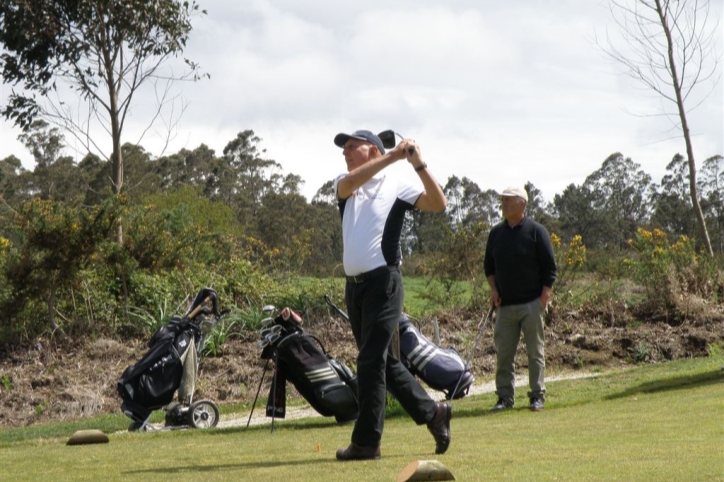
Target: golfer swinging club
<point>372,202</point>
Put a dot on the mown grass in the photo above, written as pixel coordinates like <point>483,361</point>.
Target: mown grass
<point>655,422</point>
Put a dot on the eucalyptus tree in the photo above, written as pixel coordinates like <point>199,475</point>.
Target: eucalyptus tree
<point>468,204</point>
<point>672,209</point>
<point>11,168</point>
<point>325,194</point>
<point>55,177</point>
<point>711,187</point>
<point>104,51</point>
<point>671,48</point>
<point>576,212</point>
<point>243,176</point>
<point>538,208</point>
<point>619,193</point>
<point>186,168</point>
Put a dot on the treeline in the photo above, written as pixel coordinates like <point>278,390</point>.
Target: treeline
<point>77,259</point>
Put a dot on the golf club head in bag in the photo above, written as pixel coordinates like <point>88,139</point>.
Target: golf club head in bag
<point>388,140</point>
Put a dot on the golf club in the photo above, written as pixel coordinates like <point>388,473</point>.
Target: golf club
<point>485,322</point>
<point>330,303</point>
<point>388,140</point>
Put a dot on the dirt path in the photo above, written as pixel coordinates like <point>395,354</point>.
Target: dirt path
<point>306,411</point>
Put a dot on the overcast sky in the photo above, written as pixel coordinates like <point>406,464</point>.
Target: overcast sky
<point>499,92</point>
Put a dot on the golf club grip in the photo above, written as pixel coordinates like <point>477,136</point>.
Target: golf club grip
<point>199,308</point>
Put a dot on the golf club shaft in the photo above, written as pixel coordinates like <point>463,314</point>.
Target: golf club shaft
<point>339,310</point>
<point>488,317</point>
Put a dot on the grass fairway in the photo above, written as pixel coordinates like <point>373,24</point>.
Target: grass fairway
<point>660,422</point>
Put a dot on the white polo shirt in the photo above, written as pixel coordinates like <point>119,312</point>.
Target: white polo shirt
<point>372,219</point>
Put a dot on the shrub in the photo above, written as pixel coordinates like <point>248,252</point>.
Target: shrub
<point>675,278</point>
<point>570,260</point>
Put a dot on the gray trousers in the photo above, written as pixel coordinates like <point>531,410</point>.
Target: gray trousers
<point>374,309</point>
<point>510,322</point>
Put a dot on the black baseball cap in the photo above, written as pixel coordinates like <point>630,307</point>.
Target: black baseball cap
<point>341,138</point>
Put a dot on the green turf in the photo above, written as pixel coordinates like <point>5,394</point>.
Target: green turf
<point>661,422</point>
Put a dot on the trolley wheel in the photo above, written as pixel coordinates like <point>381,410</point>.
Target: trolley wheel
<point>175,414</point>
<point>203,414</point>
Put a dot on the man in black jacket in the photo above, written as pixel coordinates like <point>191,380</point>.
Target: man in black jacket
<point>520,268</point>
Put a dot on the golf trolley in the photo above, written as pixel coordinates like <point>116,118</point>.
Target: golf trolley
<point>172,365</point>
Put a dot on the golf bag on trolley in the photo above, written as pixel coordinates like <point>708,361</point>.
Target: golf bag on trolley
<point>438,367</point>
<point>328,385</point>
<point>171,364</point>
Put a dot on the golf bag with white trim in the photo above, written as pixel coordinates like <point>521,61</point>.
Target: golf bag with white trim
<point>327,384</point>
<point>439,368</point>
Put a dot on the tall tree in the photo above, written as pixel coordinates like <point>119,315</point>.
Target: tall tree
<point>537,207</point>
<point>575,210</point>
<point>620,191</point>
<point>672,50</point>
<point>672,204</point>
<point>54,177</point>
<point>10,169</point>
<point>105,50</point>
<point>325,195</point>
<point>243,176</point>
<point>468,204</point>
<point>186,167</point>
<point>711,186</point>
<point>44,142</point>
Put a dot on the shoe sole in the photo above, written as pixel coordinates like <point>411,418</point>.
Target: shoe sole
<point>359,459</point>
<point>503,409</point>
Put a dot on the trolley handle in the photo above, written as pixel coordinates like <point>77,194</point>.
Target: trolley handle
<point>198,309</point>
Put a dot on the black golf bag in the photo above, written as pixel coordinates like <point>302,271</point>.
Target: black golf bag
<point>170,365</point>
<point>328,385</point>
<point>439,368</point>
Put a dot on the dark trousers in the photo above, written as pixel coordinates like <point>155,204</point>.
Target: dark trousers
<point>374,307</point>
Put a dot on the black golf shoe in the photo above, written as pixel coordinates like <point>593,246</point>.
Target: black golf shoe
<point>439,426</point>
<point>502,404</point>
<point>536,404</point>
<point>358,452</point>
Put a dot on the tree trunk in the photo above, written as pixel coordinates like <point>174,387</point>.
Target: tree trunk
<point>51,313</point>
<point>685,129</point>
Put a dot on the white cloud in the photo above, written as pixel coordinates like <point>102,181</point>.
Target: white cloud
<point>499,92</point>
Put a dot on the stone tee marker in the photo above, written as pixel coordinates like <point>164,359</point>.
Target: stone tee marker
<point>425,470</point>
<point>82,437</point>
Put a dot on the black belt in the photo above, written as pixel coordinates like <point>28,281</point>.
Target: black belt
<point>362,277</point>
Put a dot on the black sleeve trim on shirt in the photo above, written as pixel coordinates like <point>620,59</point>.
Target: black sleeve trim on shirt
<point>392,230</point>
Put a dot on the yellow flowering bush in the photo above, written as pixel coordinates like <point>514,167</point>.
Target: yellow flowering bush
<point>668,270</point>
<point>570,260</point>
